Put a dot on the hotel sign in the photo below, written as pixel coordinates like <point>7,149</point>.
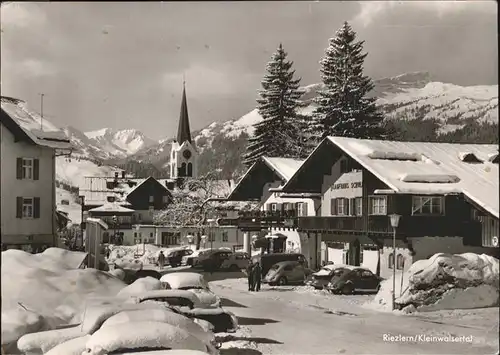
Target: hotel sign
<point>347,185</point>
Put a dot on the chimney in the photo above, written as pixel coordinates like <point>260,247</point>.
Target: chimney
<point>123,174</point>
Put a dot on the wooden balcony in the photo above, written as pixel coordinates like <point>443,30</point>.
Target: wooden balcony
<point>256,220</point>
<point>414,226</point>
<point>318,224</point>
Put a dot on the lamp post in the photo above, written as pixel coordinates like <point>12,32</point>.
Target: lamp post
<point>394,224</point>
<point>115,222</point>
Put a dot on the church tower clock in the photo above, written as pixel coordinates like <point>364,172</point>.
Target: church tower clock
<point>183,156</point>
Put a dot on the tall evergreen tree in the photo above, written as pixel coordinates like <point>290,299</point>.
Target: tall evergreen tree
<point>278,134</point>
<point>343,109</point>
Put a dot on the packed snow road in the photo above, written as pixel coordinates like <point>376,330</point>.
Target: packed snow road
<point>291,320</point>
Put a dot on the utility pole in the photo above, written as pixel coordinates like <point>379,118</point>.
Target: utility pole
<point>41,111</point>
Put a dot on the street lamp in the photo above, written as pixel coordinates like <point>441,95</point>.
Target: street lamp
<point>115,222</point>
<point>394,224</point>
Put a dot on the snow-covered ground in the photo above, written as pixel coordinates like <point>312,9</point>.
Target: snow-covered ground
<point>74,210</point>
<point>74,171</point>
<point>41,291</point>
<point>147,254</point>
<point>270,321</point>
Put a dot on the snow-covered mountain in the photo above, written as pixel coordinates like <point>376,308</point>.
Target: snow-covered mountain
<point>408,96</point>
<point>120,142</point>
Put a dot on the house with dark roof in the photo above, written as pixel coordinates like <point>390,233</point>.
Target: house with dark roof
<point>445,194</point>
<point>273,223</point>
<point>29,145</point>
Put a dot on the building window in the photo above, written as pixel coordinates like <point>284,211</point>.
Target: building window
<point>378,205</point>
<point>400,262</point>
<point>151,209</point>
<point>151,235</point>
<point>274,207</point>
<point>139,217</point>
<point>135,235</point>
<point>427,205</point>
<point>358,206</point>
<point>151,199</point>
<point>225,237</point>
<point>339,207</point>
<point>28,207</point>
<point>165,199</point>
<point>27,168</point>
<point>391,261</point>
<point>343,166</point>
<point>302,209</point>
<point>111,198</point>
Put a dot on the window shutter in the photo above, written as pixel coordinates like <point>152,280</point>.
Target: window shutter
<point>268,207</point>
<point>36,207</point>
<point>304,209</point>
<point>19,207</point>
<point>19,169</point>
<point>333,206</point>
<point>346,207</point>
<point>36,169</point>
<point>279,207</point>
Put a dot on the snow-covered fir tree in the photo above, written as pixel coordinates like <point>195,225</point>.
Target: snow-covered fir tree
<point>343,109</point>
<point>279,133</point>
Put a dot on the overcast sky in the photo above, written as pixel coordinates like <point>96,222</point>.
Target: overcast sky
<point>120,65</point>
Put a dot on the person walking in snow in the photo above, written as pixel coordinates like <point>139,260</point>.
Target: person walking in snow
<point>161,259</point>
<point>257,276</point>
<point>249,271</point>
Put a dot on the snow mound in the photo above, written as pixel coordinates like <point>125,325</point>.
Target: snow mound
<point>161,315</point>
<point>141,334</point>
<point>444,281</point>
<point>141,285</point>
<point>46,340</point>
<point>60,288</point>
<point>71,347</point>
<point>122,254</point>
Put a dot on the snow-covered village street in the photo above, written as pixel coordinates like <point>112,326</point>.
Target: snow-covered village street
<point>249,178</point>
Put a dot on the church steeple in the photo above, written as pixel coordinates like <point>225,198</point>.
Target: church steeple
<point>184,132</point>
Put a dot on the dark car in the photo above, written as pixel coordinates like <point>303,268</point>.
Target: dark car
<point>321,278</point>
<point>348,281</point>
<point>174,258</point>
<point>214,260</point>
<point>266,261</point>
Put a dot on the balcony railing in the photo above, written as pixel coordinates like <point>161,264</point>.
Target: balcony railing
<point>269,214</point>
<point>331,223</point>
<point>411,226</point>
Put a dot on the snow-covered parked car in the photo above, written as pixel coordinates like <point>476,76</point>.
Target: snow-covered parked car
<point>75,338</point>
<point>177,298</point>
<point>321,278</point>
<point>144,336</point>
<point>194,282</point>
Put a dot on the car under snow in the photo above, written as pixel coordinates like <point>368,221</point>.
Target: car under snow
<point>194,282</point>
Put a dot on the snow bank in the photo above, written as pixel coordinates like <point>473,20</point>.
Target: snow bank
<point>141,334</point>
<point>123,254</point>
<point>141,285</point>
<point>60,290</point>
<point>161,315</point>
<point>444,281</point>
<point>71,347</point>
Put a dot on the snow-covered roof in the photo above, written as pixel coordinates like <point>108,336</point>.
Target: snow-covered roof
<point>285,167</point>
<point>96,191</point>
<point>111,207</point>
<point>429,168</point>
<point>98,221</point>
<point>36,128</point>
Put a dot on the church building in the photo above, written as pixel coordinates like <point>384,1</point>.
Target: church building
<point>184,155</point>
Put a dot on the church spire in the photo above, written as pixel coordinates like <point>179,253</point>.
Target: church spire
<point>184,132</point>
